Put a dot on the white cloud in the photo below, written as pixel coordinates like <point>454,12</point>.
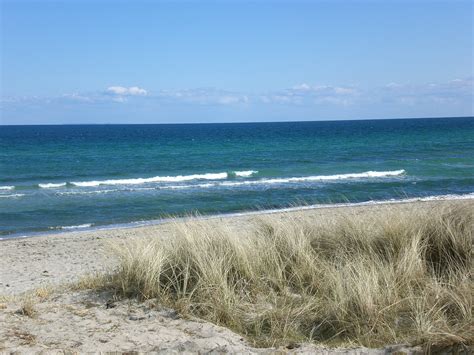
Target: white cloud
<point>452,92</point>
<point>124,91</point>
<point>312,94</point>
<point>227,100</point>
<point>448,94</point>
<point>203,96</point>
<point>393,85</point>
<point>78,98</point>
<point>333,100</point>
<point>303,86</point>
<point>344,91</point>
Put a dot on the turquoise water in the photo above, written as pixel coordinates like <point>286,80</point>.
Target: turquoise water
<point>62,177</point>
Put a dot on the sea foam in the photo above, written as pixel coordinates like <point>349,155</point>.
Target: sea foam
<point>52,185</point>
<point>79,226</point>
<point>12,196</point>
<point>364,175</point>
<point>246,173</point>
<point>220,176</point>
<point>7,187</point>
<point>178,178</point>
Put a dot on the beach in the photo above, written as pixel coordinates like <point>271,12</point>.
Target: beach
<point>67,317</point>
<point>55,259</point>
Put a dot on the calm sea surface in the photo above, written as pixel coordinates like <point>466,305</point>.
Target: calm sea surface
<point>67,177</point>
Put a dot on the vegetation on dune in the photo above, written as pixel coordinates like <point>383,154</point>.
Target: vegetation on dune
<point>391,275</point>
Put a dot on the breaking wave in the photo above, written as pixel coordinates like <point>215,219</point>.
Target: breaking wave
<point>178,178</point>
<point>12,196</point>
<point>216,180</point>
<point>247,173</point>
<point>79,226</point>
<point>52,185</point>
<point>367,174</point>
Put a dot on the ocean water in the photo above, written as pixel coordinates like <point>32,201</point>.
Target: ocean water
<point>81,176</point>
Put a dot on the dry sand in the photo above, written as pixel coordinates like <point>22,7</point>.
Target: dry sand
<point>35,272</point>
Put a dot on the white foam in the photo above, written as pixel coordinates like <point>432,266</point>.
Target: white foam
<point>364,175</point>
<point>86,225</point>
<point>7,187</point>
<point>246,173</point>
<point>12,196</point>
<point>87,192</point>
<point>467,196</point>
<point>178,187</point>
<point>15,237</point>
<point>179,178</point>
<point>368,174</point>
<point>52,185</point>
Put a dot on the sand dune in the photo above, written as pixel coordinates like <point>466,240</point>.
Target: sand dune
<point>41,311</point>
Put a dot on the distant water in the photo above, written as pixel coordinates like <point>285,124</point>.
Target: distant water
<point>72,177</point>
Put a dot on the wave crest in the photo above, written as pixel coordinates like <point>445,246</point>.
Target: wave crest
<point>7,187</point>
<point>367,174</point>
<point>79,226</point>
<point>12,196</point>
<point>178,178</point>
<point>216,177</point>
<point>52,185</point>
<point>246,173</point>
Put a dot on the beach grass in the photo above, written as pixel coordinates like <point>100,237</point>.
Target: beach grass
<point>356,277</point>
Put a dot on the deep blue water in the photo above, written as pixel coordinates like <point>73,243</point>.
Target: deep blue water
<point>52,177</point>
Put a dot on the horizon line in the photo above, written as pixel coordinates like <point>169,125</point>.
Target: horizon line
<point>236,122</point>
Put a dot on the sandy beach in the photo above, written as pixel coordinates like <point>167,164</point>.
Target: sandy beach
<point>56,259</point>
<point>65,319</point>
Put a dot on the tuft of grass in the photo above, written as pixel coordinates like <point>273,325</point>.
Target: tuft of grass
<point>89,281</point>
<point>43,293</point>
<point>27,308</point>
<point>371,278</point>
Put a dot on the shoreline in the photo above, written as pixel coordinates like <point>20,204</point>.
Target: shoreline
<point>61,258</point>
<point>40,310</point>
<point>87,227</point>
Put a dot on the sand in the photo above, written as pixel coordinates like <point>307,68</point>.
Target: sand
<point>35,274</point>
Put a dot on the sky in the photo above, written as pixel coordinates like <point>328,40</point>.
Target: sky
<point>81,61</point>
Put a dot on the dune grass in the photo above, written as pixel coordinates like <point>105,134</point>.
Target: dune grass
<point>390,275</point>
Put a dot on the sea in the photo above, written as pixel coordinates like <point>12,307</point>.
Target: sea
<point>75,177</point>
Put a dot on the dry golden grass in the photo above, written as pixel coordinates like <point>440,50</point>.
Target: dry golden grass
<point>27,308</point>
<point>88,281</point>
<point>43,293</point>
<point>394,275</point>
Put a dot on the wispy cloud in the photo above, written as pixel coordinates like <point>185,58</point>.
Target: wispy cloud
<point>454,92</point>
<point>75,97</point>
<point>203,96</point>
<point>451,92</point>
<point>306,94</point>
<point>126,91</point>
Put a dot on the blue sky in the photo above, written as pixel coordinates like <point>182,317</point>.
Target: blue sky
<point>226,61</point>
